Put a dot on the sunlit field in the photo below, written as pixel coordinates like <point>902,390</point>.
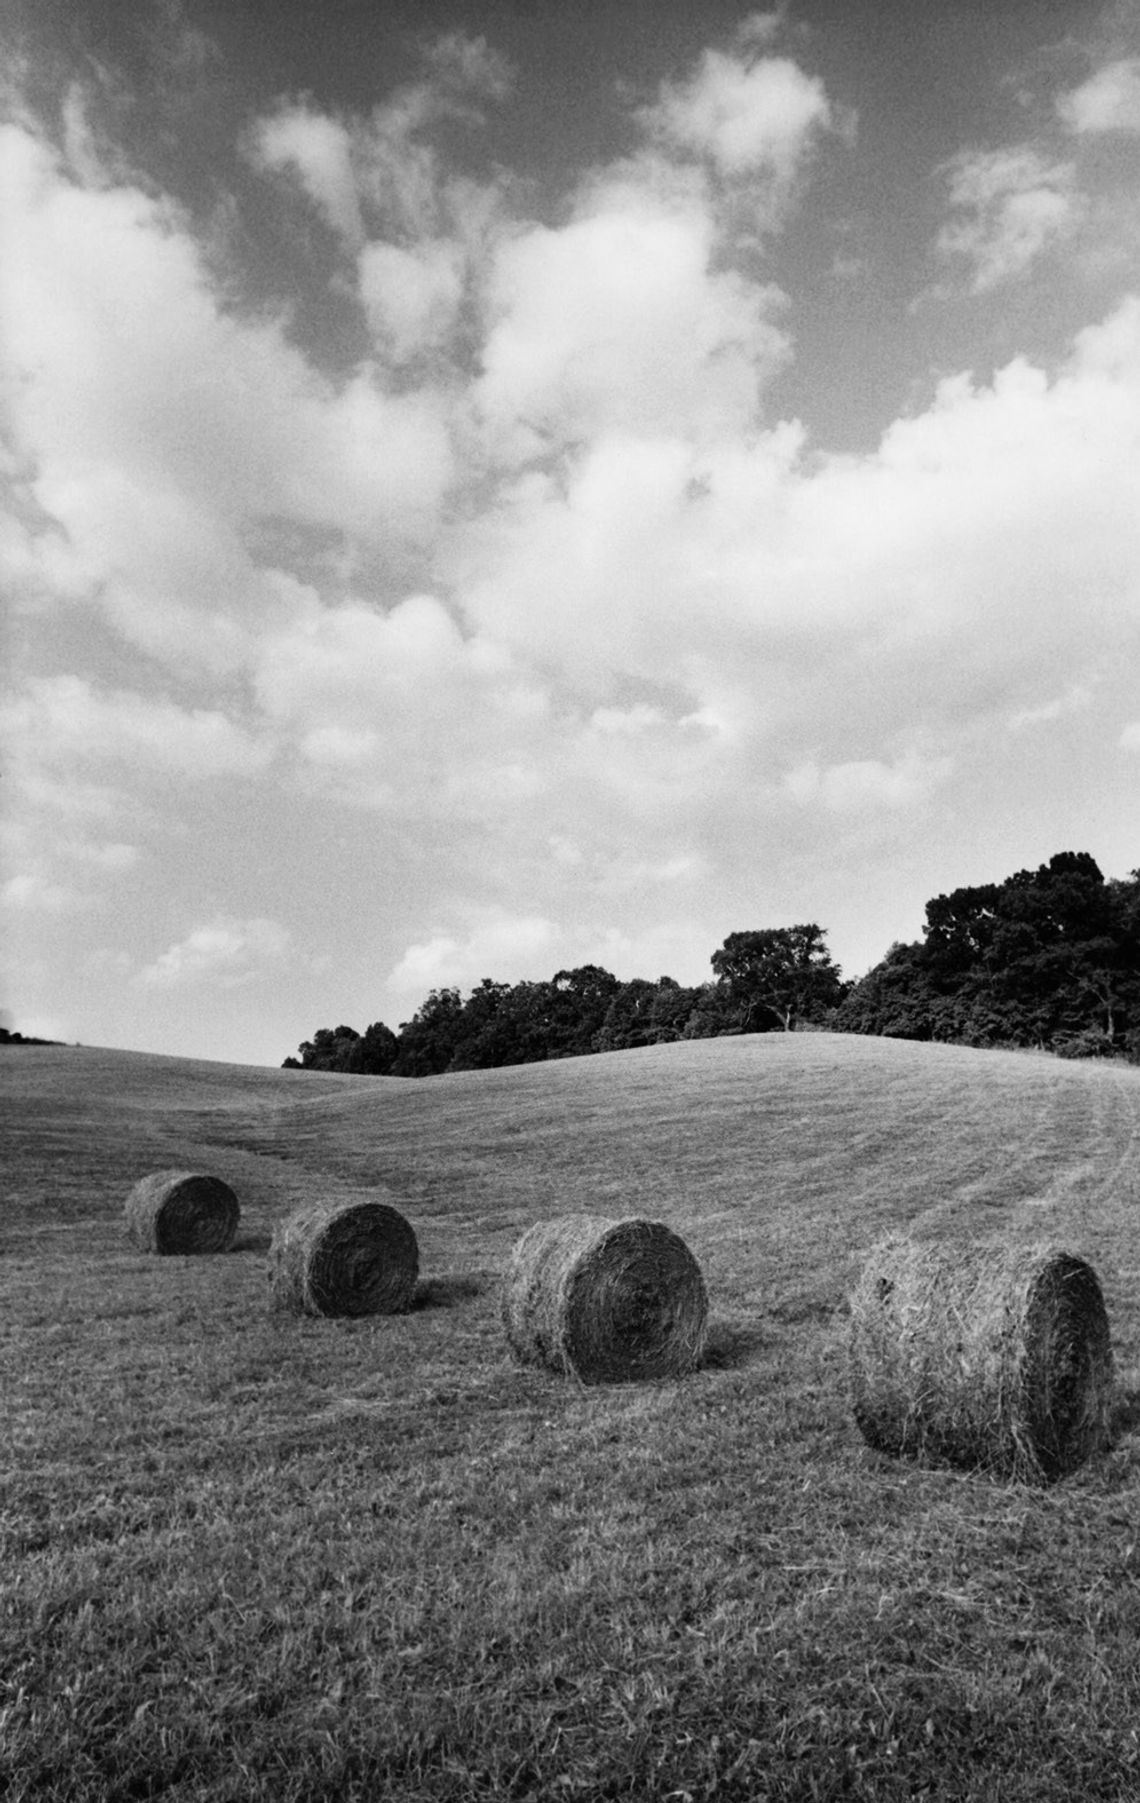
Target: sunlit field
<point>248,1556</point>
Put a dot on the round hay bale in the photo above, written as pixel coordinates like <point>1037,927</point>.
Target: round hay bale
<point>987,1357</point>
<point>605,1301</point>
<point>182,1211</point>
<point>343,1258</point>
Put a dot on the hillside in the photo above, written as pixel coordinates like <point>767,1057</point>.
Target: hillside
<point>265,1558</point>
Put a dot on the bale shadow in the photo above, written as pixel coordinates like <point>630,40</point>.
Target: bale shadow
<point>252,1242</point>
<point>449,1291</point>
<point>730,1344</point>
<point>1124,1416</point>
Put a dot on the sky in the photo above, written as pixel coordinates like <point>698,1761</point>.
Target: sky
<point>490,488</point>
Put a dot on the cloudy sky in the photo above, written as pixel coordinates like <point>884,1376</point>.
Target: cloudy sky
<point>492,487</point>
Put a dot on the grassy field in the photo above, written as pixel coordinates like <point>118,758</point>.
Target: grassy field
<point>247,1557</point>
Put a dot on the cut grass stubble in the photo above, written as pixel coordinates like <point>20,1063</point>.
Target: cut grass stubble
<point>482,1581</point>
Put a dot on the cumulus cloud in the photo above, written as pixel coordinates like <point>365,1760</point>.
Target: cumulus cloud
<point>1009,207</point>
<point>754,588</point>
<point>59,719</point>
<point>158,425</point>
<point>226,952</point>
<point>35,891</point>
<point>317,150</point>
<point>402,709</point>
<point>411,297</point>
<point>867,783</point>
<point>749,116</point>
<point>509,949</point>
<point>618,322</point>
<point>1108,101</point>
<point>1071,701</point>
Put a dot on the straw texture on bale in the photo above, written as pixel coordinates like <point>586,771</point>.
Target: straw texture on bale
<point>343,1258</point>
<point>986,1357</point>
<point>182,1211</point>
<point>605,1301</point>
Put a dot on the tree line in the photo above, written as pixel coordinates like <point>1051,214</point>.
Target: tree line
<point>1048,958</point>
<point>778,977</point>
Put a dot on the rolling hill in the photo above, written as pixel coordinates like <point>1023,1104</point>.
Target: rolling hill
<point>266,1558</point>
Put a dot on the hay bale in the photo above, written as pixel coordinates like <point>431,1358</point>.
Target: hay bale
<point>989,1357</point>
<point>343,1258</point>
<point>182,1211</point>
<point>605,1301</point>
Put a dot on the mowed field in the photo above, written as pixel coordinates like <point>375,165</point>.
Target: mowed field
<point>252,1557</point>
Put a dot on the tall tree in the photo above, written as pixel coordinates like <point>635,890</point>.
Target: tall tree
<point>1048,958</point>
<point>781,974</point>
<point>579,1000</point>
<point>427,1042</point>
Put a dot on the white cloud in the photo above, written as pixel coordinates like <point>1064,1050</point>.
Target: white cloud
<point>400,709</point>
<point>1130,737</point>
<point>318,150</point>
<point>159,425</point>
<point>748,116</point>
<point>757,591</point>
<point>225,952</point>
<point>1108,101</point>
<point>411,296</point>
<point>56,836</point>
<point>619,322</point>
<point>868,783</point>
<point>36,892</point>
<point>401,178</point>
<point>1072,701</point>
<point>508,949</point>
<point>1010,206</point>
<point>62,719</point>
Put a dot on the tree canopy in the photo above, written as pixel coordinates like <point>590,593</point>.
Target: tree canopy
<point>781,973</point>
<point>1049,958</point>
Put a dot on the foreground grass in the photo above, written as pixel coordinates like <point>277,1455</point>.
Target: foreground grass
<point>251,1558</point>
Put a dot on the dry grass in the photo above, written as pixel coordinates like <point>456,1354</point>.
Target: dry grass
<point>343,1258</point>
<point>182,1212</point>
<point>984,1356</point>
<point>605,1301</point>
<point>268,1559</point>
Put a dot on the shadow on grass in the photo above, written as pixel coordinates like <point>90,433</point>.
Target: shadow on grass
<point>252,1242</point>
<point>1124,1418</point>
<point>733,1343</point>
<point>447,1292</point>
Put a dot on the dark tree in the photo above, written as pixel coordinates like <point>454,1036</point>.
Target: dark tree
<point>375,1051</point>
<point>778,976</point>
<point>712,1014</point>
<point>1049,958</point>
<point>344,1049</point>
<point>579,1000</point>
<point>330,1049</point>
<point>502,1024</point>
<point>644,1013</point>
<point>628,1020</point>
<point>427,1042</point>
